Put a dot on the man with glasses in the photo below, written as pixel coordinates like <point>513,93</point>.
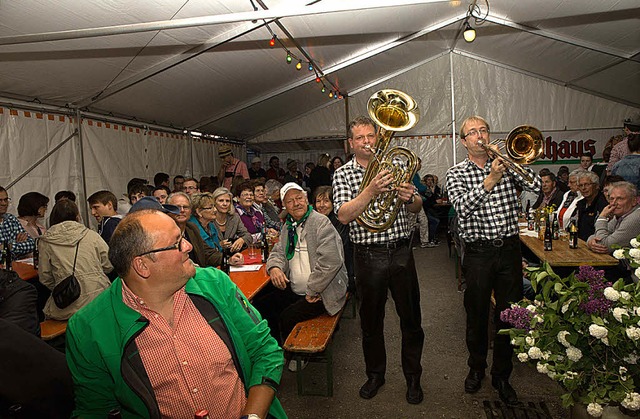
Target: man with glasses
<point>11,231</point>
<point>383,262</point>
<point>191,186</point>
<point>592,203</point>
<point>483,193</point>
<point>168,339</point>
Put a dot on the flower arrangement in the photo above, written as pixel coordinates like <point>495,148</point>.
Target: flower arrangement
<point>584,332</point>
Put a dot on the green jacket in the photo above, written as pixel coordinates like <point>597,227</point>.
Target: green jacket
<point>106,366</point>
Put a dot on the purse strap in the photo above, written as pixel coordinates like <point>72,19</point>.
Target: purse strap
<point>75,258</point>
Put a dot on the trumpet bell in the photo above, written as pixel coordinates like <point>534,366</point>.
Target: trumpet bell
<point>524,144</point>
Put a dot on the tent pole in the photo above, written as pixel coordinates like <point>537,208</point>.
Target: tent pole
<point>82,168</point>
<point>347,149</point>
<point>453,111</point>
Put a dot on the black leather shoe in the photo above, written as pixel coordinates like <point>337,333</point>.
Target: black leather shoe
<point>505,391</point>
<point>370,388</point>
<point>414,391</point>
<point>473,382</point>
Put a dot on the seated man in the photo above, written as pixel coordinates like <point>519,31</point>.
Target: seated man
<point>11,230</point>
<point>550,194</point>
<point>104,207</point>
<point>590,205</point>
<point>306,267</point>
<point>619,222</point>
<point>168,339</point>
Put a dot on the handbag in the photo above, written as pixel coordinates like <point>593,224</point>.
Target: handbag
<point>67,291</point>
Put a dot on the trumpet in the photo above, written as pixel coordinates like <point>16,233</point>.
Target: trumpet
<point>523,145</point>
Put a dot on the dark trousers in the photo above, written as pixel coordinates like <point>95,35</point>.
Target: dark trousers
<point>283,309</point>
<point>499,269</point>
<point>378,270</point>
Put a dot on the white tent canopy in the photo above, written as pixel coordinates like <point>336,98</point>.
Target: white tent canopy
<point>200,65</point>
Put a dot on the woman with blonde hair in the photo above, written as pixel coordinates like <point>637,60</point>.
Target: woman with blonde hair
<point>231,231</point>
<point>203,212</point>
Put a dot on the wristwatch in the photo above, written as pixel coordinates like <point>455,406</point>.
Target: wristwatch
<point>250,416</point>
<point>413,198</point>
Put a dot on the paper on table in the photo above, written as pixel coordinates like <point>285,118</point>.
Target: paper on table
<point>245,268</point>
<point>529,233</point>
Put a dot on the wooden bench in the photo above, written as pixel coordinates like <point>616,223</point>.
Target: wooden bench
<point>311,341</point>
<point>50,329</point>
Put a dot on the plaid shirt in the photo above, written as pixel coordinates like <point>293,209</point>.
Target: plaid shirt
<point>346,186</point>
<point>9,229</point>
<point>486,215</point>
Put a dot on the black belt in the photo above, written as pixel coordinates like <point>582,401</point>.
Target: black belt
<point>499,242</point>
<point>390,245</point>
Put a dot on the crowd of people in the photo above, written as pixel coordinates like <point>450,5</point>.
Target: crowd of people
<point>155,333</point>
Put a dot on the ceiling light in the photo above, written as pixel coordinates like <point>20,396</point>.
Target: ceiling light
<point>469,33</point>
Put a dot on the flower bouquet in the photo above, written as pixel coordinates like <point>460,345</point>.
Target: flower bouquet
<point>584,332</point>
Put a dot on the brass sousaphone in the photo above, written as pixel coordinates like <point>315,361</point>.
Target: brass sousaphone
<point>393,111</point>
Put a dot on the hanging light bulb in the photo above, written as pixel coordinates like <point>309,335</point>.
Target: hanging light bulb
<point>340,96</point>
<point>310,67</point>
<point>318,80</point>
<point>289,58</point>
<point>324,89</point>
<point>469,33</point>
<point>330,93</point>
<point>299,65</point>
<point>272,41</point>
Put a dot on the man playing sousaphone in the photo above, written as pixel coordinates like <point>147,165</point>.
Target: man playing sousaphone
<point>482,190</point>
<point>383,261</point>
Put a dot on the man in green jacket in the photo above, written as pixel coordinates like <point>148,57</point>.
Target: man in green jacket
<point>167,339</point>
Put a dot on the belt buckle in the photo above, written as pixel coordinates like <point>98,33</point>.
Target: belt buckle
<point>498,242</point>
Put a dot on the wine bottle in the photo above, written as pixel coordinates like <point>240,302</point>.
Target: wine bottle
<point>265,245</point>
<point>573,236</point>
<point>556,226</point>
<point>548,237</point>
<point>531,220</point>
<point>528,208</point>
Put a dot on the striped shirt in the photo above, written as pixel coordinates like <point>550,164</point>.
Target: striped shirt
<point>346,186</point>
<point>189,366</point>
<point>486,215</point>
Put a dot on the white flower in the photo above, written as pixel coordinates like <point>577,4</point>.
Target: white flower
<point>594,409</point>
<point>546,355</point>
<point>570,375</point>
<point>538,318</point>
<point>634,253</point>
<point>562,338</point>
<point>631,401</point>
<point>618,312</point>
<point>513,342</point>
<point>618,254</point>
<point>529,341</point>
<point>598,331</point>
<point>531,308</point>
<point>632,358</point>
<point>634,243</point>
<point>542,368</point>
<point>623,373</point>
<point>611,294</point>
<point>637,272</point>
<point>551,375</point>
<point>565,306</point>
<point>633,333</point>
<point>637,309</point>
<point>523,357</point>
<point>574,353</point>
<point>535,352</point>
<point>605,340</point>
<point>625,295</point>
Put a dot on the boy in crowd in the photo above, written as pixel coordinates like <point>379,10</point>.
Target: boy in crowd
<point>104,207</point>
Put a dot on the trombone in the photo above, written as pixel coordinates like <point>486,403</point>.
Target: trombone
<point>523,146</point>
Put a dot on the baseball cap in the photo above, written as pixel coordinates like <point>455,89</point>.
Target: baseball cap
<point>287,187</point>
<point>150,202</point>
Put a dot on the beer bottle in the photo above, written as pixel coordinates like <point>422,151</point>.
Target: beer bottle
<point>528,207</point>
<point>7,256</point>
<point>531,220</point>
<point>556,226</point>
<point>224,266</point>
<point>36,254</point>
<point>548,237</point>
<point>573,236</point>
<point>265,245</point>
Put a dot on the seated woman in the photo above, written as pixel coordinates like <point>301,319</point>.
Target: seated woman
<point>323,203</point>
<point>231,232</point>
<point>261,202</point>
<point>203,212</point>
<point>251,217</point>
<point>201,254</point>
<point>31,207</point>
<point>58,248</point>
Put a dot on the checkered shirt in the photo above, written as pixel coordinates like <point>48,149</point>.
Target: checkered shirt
<point>346,186</point>
<point>486,215</point>
<point>9,228</point>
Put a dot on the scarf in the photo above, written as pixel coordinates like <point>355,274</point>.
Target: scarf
<point>292,232</point>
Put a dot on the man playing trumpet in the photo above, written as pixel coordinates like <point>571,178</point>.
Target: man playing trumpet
<point>483,193</point>
<point>383,261</point>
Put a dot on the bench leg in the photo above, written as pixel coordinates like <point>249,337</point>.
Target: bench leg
<point>327,358</point>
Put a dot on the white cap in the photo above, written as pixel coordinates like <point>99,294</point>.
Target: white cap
<point>287,187</point>
<point>256,160</point>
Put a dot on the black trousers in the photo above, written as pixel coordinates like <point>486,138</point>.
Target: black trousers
<point>488,268</point>
<point>377,271</point>
<point>283,309</point>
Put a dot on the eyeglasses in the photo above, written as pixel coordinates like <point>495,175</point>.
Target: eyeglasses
<point>369,137</point>
<point>246,195</point>
<point>177,245</point>
<point>475,133</point>
<point>183,207</point>
<point>5,200</point>
<point>206,208</point>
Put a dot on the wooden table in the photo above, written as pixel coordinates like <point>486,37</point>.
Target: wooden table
<point>25,271</point>
<point>250,283</point>
<point>562,255</point>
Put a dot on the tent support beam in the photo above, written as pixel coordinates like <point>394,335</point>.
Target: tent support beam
<point>82,166</point>
<point>41,159</point>
<point>453,110</point>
